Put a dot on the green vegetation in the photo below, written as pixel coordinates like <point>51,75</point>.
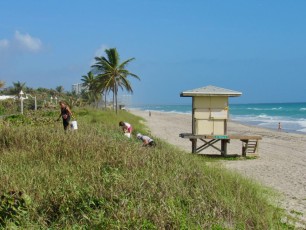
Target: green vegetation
<point>8,106</point>
<point>45,98</point>
<point>96,178</point>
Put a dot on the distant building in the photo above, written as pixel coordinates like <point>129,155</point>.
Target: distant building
<point>78,88</point>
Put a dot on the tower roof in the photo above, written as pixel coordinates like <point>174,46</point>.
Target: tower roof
<point>210,91</point>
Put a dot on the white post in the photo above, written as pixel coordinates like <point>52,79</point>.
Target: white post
<point>21,105</point>
<point>21,93</point>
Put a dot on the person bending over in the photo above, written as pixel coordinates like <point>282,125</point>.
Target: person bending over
<point>126,128</point>
<point>147,141</point>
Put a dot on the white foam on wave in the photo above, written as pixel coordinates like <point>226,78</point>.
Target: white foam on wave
<point>265,117</point>
<point>302,130</point>
<point>166,111</point>
<point>259,118</point>
<point>302,123</point>
<point>265,109</point>
<point>271,122</point>
<point>254,109</point>
<point>172,111</point>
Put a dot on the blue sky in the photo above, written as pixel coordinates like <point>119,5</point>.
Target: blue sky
<point>257,47</point>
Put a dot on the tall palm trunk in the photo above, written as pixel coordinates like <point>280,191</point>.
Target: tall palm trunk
<point>105,99</point>
<point>113,100</point>
<point>116,97</point>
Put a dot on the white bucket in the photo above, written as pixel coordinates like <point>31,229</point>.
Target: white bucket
<point>127,135</point>
<point>74,125</point>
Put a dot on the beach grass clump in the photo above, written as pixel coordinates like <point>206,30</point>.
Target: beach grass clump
<point>96,178</point>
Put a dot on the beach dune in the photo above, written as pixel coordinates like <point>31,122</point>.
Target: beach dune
<point>281,163</point>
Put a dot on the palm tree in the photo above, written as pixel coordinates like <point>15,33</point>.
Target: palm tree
<point>59,89</point>
<point>88,80</point>
<point>18,86</point>
<point>113,74</point>
<point>91,92</point>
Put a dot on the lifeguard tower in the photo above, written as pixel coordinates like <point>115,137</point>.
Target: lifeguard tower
<point>210,113</point>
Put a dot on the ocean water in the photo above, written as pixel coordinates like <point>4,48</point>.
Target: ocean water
<point>292,116</point>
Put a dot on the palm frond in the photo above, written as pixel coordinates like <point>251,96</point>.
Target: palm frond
<point>125,63</point>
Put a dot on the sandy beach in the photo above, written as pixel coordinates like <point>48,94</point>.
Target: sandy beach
<point>281,163</point>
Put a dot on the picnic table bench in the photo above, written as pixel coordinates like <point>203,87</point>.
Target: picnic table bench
<point>250,144</point>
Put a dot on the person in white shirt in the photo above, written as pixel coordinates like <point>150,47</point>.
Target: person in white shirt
<point>147,141</point>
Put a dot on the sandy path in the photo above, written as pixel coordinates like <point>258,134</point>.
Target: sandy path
<point>281,165</point>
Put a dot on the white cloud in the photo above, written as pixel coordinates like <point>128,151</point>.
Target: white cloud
<point>17,45</point>
<point>28,42</point>
<point>101,51</point>
<point>4,43</point>
<point>98,53</point>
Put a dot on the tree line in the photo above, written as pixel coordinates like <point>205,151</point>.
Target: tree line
<point>107,75</point>
<point>18,86</point>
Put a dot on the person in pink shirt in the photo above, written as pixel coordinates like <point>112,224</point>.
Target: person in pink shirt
<point>126,128</point>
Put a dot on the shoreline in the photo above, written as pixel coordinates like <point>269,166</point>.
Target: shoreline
<point>231,120</point>
<point>281,164</point>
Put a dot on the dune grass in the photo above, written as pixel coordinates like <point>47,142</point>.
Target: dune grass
<point>96,178</point>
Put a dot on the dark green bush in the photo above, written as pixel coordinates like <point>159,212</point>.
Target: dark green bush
<point>13,207</point>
